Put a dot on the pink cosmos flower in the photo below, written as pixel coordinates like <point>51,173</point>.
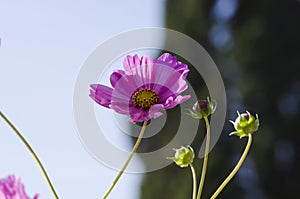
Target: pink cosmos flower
<point>10,188</point>
<point>144,88</point>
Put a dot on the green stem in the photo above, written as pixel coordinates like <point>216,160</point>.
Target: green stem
<point>236,168</point>
<point>194,181</point>
<point>32,153</point>
<point>127,161</point>
<point>205,158</point>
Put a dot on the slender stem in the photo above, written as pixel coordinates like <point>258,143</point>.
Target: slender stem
<point>205,158</point>
<point>32,153</point>
<point>127,161</point>
<point>194,181</point>
<point>236,168</point>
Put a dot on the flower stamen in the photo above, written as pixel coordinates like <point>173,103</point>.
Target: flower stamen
<point>145,98</point>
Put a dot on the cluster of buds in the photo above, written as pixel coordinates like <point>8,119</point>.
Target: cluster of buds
<point>245,124</point>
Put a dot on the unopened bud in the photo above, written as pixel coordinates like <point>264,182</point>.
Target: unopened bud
<point>203,108</point>
<point>245,124</point>
<point>183,156</point>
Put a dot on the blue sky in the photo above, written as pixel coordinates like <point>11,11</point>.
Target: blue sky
<point>43,45</point>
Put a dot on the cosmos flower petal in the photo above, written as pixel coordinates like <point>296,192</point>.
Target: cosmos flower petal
<point>140,73</point>
<point>130,62</point>
<point>154,111</point>
<point>139,115</point>
<point>11,188</point>
<point>169,60</point>
<point>169,78</point>
<point>171,102</point>
<point>2,196</point>
<point>136,60</point>
<point>182,68</point>
<point>123,107</point>
<point>136,74</point>
<point>145,69</point>
<point>163,92</point>
<point>136,77</point>
<point>101,94</point>
<point>176,84</point>
<point>146,60</point>
<point>116,76</point>
<point>142,115</point>
<point>125,87</point>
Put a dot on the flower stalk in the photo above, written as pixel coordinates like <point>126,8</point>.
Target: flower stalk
<point>236,168</point>
<point>37,160</point>
<point>205,157</point>
<point>127,161</point>
<point>194,180</point>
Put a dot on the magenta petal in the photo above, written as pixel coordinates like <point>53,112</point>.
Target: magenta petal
<point>145,115</point>
<point>171,102</point>
<point>169,60</point>
<point>2,196</point>
<point>128,63</point>
<point>136,60</point>
<point>131,62</point>
<point>116,76</point>
<point>176,84</point>
<point>146,60</point>
<point>125,87</point>
<point>11,188</point>
<point>154,111</point>
<point>164,93</point>
<point>182,68</point>
<point>21,190</point>
<point>145,70</point>
<point>140,116</point>
<point>120,109</point>
<point>124,107</point>
<point>101,94</point>
<point>169,78</point>
<point>138,71</point>
<point>180,99</point>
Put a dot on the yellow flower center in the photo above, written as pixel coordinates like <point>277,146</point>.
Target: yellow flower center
<point>145,98</point>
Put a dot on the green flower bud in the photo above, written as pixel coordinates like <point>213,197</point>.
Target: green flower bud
<point>245,124</point>
<point>203,108</point>
<point>183,156</point>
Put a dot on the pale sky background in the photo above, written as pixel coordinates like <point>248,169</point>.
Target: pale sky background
<point>43,45</point>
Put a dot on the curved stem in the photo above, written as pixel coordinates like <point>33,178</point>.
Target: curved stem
<point>236,168</point>
<point>127,161</point>
<point>32,153</point>
<point>205,158</point>
<point>194,181</point>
